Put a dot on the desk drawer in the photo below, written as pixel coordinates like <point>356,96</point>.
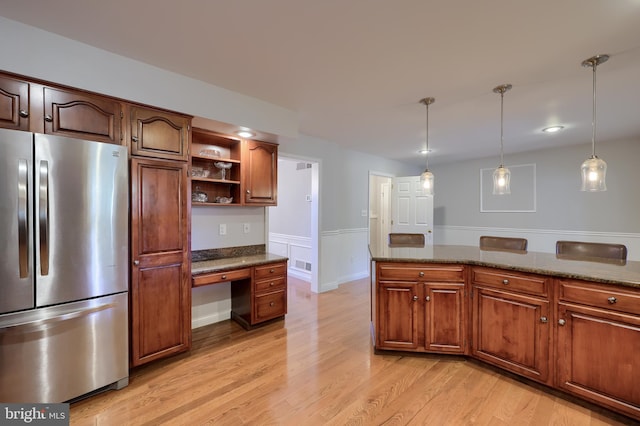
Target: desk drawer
<point>276,283</point>
<point>507,280</point>
<point>421,272</point>
<point>600,296</point>
<point>270,305</point>
<point>271,270</point>
<point>220,277</point>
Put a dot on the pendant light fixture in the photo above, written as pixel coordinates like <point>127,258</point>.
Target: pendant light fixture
<point>427,178</point>
<point>501,175</point>
<point>594,169</point>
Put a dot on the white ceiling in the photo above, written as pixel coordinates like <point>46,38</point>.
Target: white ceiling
<point>354,70</point>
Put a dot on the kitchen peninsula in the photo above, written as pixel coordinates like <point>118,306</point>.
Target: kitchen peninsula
<point>569,324</point>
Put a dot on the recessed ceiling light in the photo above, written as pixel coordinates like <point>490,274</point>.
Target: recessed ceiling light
<point>423,151</point>
<point>552,129</point>
<point>245,134</point>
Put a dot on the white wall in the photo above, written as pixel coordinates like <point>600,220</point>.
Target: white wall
<point>563,211</point>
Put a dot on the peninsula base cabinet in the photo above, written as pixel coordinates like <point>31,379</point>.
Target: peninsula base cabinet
<point>580,337</point>
<point>598,344</point>
<point>421,308</point>
<point>510,317</point>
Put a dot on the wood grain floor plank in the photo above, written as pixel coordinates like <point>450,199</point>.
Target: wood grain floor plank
<point>317,367</point>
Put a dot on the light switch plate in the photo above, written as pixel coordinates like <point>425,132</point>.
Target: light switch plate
<point>246,228</point>
<point>223,229</point>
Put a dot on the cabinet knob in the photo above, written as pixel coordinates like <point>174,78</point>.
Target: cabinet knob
<point>224,277</point>
<point>561,322</point>
<point>136,262</point>
<point>271,284</point>
<point>271,271</point>
<point>248,192</point>
<point>271,304</point>
<point>505,282</point>
<point>544,320</point>
<point>23,113</point>
<point>428,298</point>
<point>612,300</point>
<point>421,274</point>
<point>48,118</point>
<point>415,298</point>
<point>134,138</point>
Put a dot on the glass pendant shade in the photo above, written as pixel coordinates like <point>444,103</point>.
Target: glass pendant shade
<point>594,173</point>
<point>501,181</point>
<point>426,181</point>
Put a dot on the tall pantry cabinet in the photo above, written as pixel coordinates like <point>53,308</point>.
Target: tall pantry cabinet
<point>161,276</point>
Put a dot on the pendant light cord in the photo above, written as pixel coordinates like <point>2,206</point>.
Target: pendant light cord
<point>427,154</point>
<point>593,123</point>
<point>501,128</point>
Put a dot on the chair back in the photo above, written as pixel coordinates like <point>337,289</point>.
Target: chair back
<point>403,238</point>
<point>503,243</point>
<point>580,249</point>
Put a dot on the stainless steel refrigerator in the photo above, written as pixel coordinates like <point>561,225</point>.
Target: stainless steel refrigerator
<point>64,239</point>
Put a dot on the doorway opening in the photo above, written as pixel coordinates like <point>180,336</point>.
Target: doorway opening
<point>293,224</point>
<point>379,208</point>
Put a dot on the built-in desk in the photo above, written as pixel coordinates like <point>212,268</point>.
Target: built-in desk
<point>258,285</point>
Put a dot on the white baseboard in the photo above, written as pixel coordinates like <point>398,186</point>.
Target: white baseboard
<point>212,318</point>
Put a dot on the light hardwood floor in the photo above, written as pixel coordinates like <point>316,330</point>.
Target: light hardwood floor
<point>317,367</point>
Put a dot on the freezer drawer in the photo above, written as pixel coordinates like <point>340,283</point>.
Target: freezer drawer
<point>62,352</point>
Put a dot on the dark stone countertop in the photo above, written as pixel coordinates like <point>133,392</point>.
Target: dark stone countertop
<point>230,263</point>
<point>626,273</point>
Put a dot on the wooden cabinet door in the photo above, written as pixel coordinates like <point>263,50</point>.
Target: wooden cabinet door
<point>82,116</point>
<point>260,173</point>
<point>597,356</point>
<point>512,331</point>
<point>397,315</point>
<point>444,319</point>
<point>159,134</point>
<point>160,278</point>
<point>14,103</point>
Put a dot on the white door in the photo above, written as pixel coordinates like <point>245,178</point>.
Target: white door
<point>411,209</point>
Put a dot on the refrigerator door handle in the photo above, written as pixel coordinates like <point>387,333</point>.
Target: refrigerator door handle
<point>23,219</point>
<point>43,217</point>
<point>41,324</point>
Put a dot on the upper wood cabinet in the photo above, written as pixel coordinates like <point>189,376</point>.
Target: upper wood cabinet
<point>14,103</point>
<point>260,173</point>
<point>159,134</point>
<point>80,115</point>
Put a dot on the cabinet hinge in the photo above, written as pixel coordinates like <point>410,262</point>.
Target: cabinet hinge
<point>121,114</point>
